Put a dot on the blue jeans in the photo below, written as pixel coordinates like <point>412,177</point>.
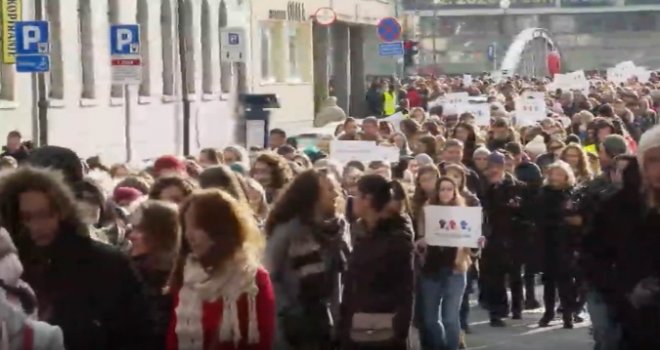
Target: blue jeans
<point>441,297</point>
<point>607,333</point>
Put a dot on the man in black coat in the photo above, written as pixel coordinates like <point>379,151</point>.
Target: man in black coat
<point>502,202</point>
<point>87,288</point>
<point>14,147</point>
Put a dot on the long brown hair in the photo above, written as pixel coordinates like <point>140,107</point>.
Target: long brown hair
<point>228,223</point>
<point>279,167</point>
<point>419,197</point>
<point>159,222</point>
<point>457,201</point>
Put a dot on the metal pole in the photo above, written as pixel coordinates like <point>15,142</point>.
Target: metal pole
<point>127,127</point>
<point>181,24</point>
<point>41,98</point>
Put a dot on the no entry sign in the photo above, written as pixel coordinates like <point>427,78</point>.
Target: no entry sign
<point>389,29</point>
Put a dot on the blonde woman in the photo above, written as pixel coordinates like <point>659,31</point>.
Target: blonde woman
<point>576,157</point>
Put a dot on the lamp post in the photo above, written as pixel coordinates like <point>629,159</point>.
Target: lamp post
<point>504,5</point>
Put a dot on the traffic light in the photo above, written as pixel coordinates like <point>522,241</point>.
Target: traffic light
<point>410,51</point>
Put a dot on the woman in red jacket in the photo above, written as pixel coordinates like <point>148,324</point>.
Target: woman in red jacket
<point>223,298</point>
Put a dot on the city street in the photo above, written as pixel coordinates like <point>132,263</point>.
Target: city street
<point>525,334</point>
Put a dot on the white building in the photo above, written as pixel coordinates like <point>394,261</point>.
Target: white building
<point>91,116</point>
<point>296,58</point>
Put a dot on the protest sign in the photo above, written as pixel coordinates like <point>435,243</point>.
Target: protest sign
<point>388,153</point>
<point>346,151</point>
<point>453,226</point>
<point>480,110</point>
<point>530,108</point>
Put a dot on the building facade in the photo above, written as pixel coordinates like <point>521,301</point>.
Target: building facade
<point>90,115</point>
<point>591,34</point>
<point>299,60</point>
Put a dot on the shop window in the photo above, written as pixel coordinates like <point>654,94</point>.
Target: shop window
<point>267,73</point>
<point>142,18</point>
<point>56,88</point>
<point>86,41</point>
<point>225,67</point>
<point>207,56</point>
<point>294,65</point>
<point>116,91</point>
<point>167,47</point>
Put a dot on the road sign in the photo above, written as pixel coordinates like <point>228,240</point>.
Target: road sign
<point>124,39</point>
<point>389,29</point>
<point>233,45</point>
<point>32,63</point>
<point>491,52</point>
<point>125,58</point>
<point>32,47</point>
<point>325,16</point>
<point>390,49</point>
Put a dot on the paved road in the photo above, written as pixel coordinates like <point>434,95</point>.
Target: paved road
<point>526,335</point>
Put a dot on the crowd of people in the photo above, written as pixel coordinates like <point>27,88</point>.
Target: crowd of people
<point>288,248</point>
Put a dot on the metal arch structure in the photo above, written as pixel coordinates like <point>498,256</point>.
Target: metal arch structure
<point>527,54</point>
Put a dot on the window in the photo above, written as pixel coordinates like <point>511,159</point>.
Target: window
<point>294,65</point>
<point>7,87</point>
<point>266,54</point>
<point>189,46</point>
<point>116,91</point>
<point>56,88</point>
<point>207,57</point>
<point>85,38</point>
<point>225,67</point>
<point>166,30</point>
<point>643,21</point>
<point>143,21</point>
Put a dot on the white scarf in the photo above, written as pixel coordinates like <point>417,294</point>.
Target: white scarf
<point>236,278</point>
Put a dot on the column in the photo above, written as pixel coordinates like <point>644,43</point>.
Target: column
<point>340,43</point>
<point>321,78</point>
<point>358,85</point>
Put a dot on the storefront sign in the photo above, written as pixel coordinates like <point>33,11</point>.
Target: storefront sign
<point>11,13</point>
<point>581,3</point>
<point>295,12</point>
<point>491,4</point>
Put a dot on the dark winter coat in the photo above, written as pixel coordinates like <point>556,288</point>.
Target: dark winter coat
<point>90,290</point>
<point>503,205</point>
<point>622,248</point>
<point>154,279</point>
<point>380,278</point>
<point>560,241</point>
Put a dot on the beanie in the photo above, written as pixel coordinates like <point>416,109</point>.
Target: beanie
<point>649,140</point>
<point>528,172</point>
<point>481,151</point>
<point>496,158</point>
<point>615,145</point>
<point>423,159</point>
<point>168,162</point>
<point>121,194</point>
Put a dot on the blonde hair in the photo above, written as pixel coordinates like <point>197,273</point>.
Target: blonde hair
<point>566,168</point>
<point>583,170</point>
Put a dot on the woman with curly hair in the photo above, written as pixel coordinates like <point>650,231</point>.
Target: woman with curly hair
<point>306,253</point>
<point>172,188</point>
<point>576,157</point>
<point>273,172</point>
<point>223,297</point>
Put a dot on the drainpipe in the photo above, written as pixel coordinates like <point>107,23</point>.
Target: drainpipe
<point>40,93</point>
<point>183,62</point>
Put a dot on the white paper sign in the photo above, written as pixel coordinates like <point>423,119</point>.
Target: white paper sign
<point>530,109</point>
<point>255,134</point>
<point>395,119</point>
<point>467,80</point>
<point>481,112</point>
<point>453,226</point>
<point>389,154</point>
<point>456,98</point>
<point>346,151</point>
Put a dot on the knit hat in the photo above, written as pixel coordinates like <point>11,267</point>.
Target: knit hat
<point>481,151</point>
<point>649,140</point>
<point>169,163</point>
<point>237,168</point>
<point>122,194</point>
<point>528,172</point>
<point>536,147</point>
<point>496,158</point>
<point>10,266</point>
<point>615,145</point>
<point>423,159</point>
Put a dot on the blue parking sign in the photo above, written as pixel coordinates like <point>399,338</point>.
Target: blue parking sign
<point>124,39</point>
<point>32,38</point>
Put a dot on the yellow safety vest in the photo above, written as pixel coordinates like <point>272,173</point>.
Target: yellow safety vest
<point>389,104</point>
<point>590,149</point>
